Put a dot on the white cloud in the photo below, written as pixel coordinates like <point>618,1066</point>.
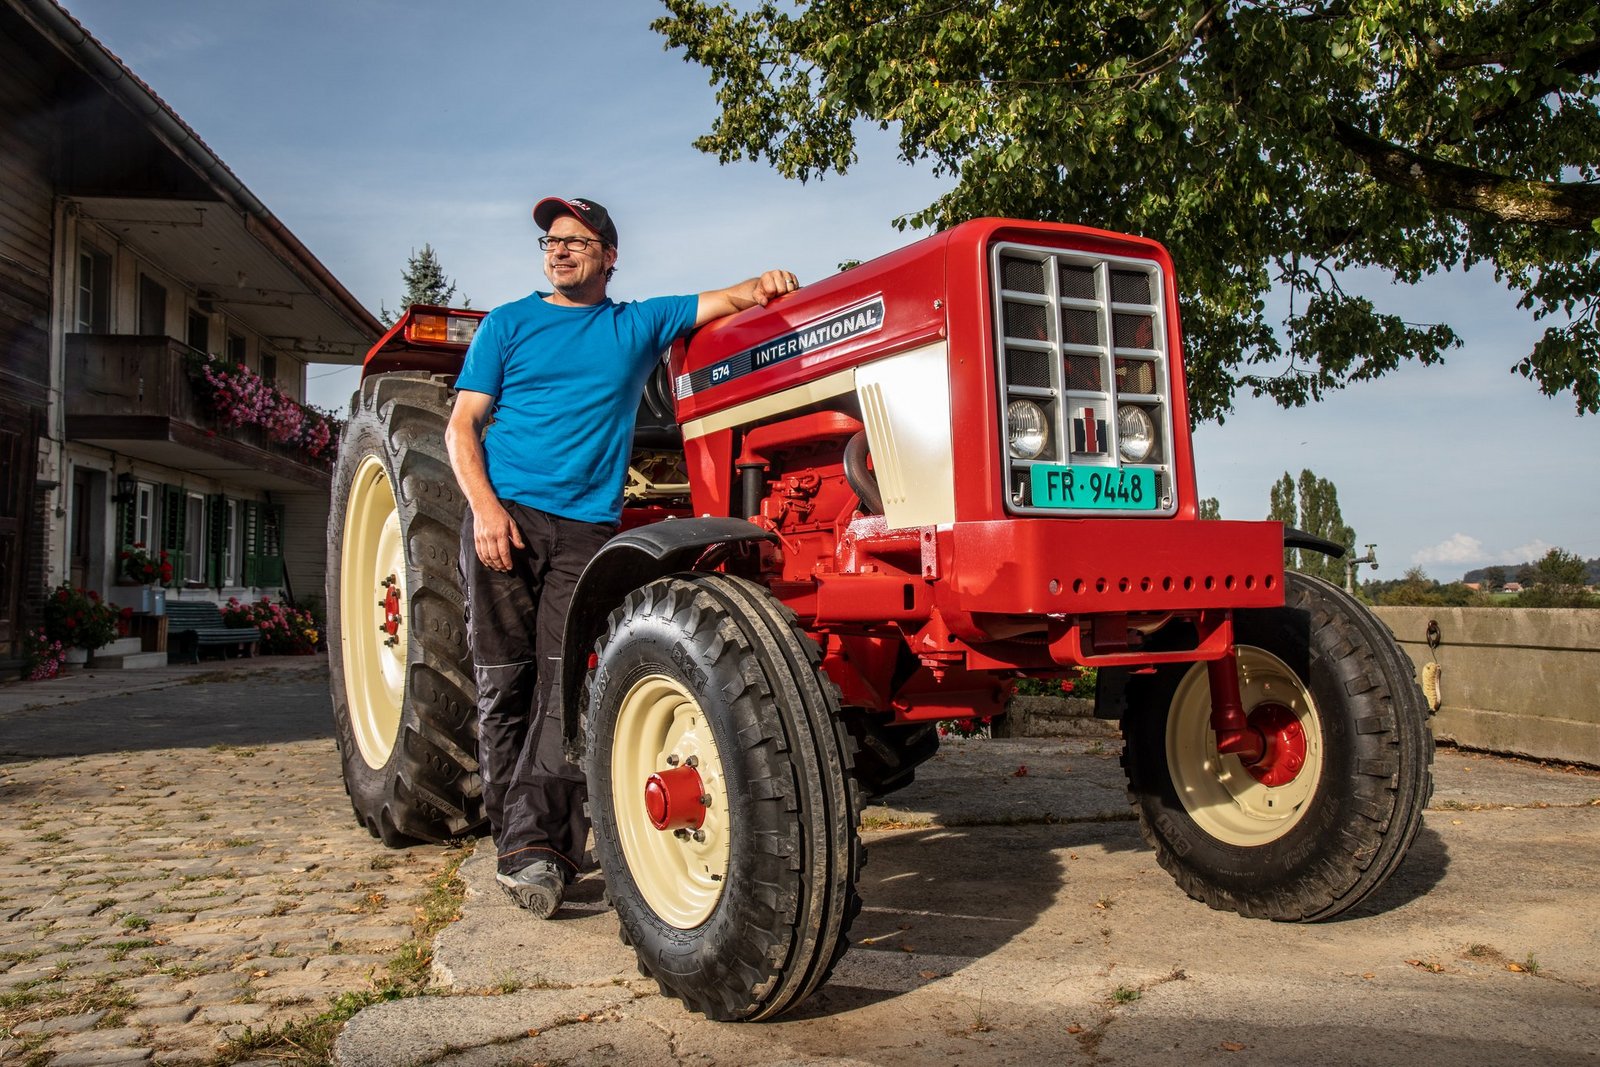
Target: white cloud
<point>1532,551</point>
<point>1459,550</point>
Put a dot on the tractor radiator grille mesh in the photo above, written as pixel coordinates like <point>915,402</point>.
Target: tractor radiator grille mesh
<point>1082,357</point>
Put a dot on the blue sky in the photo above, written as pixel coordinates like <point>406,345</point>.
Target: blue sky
<point>372,127</point>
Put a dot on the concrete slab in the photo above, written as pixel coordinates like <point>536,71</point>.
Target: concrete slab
<point>1018,918</point>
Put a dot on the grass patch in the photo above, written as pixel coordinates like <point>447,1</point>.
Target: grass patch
<point>889,822</point>
<point>39,1002</point>
<point>1125,994</point>
<point>311,1041</point>
<point>136,922</point>
<point>118,950</point>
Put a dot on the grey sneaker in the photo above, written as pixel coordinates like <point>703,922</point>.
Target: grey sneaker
<point>537,887</point>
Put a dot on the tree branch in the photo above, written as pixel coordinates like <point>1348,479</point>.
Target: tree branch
<point>1554,205</point>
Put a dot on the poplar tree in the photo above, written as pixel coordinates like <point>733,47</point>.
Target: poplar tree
<point>1312,505</point>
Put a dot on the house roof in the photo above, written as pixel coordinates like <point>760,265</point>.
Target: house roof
<point>187,210</point>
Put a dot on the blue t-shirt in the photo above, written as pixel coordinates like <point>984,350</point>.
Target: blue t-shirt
<point>566,383</point>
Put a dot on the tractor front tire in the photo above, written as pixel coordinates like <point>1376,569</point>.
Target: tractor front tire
<point>1322,822</point>
<point>706,679</point>
<point>403,695</point>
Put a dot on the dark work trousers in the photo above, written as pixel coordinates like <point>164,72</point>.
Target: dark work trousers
<point>534,797</point>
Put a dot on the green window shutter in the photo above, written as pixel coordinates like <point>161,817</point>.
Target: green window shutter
<point>272,544</point>
<point>217,509</point>
<point>174,528</point>
<point>251,517</point>
<point>127,512</point>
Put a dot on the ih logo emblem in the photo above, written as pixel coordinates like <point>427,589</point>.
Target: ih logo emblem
<point>1089,433</point>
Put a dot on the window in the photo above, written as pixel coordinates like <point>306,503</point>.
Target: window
<point>194,540</point>
<point>144,514</point>
<point>236,347</point>
<point>232,542</point>
<point>198,334</point>
<point>94,290</point>
<point>152,307</point>
<point>269,369</point>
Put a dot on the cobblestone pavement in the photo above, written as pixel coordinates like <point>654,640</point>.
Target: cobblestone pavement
<point>180,863</point>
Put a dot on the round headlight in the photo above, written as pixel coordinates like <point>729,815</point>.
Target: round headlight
<point>1027,431</point>
<point>1136,434</point>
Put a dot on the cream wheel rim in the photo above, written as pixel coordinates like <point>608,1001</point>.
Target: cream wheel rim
<point>1218,791</point>
<point>373,637</point>
<point>680,875</point>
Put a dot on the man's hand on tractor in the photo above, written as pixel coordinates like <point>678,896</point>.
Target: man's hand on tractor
<point>772,284</point>
<point>747,294</point>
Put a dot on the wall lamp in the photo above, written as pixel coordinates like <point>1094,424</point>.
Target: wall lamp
<point>126,488</point>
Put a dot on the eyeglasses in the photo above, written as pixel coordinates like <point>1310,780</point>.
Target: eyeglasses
<point>571,244</point>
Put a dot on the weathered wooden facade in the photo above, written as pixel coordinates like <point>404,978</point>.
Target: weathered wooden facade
<point>129,253</point>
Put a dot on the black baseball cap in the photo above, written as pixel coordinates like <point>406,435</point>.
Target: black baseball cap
<point>585,211</point>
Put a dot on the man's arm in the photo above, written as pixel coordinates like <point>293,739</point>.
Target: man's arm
<point>747,294</point>
<point>494,534</point>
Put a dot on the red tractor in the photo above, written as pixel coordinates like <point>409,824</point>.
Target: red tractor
<point>867,507</point>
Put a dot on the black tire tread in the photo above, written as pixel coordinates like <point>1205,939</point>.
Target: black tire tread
<point>429,790</point>
<point>1394,745</point>
<point>802,812</point>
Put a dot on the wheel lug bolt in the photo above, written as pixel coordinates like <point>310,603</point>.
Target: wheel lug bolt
<point>672,760</point>
<point>692,761</point>
<point>705,800</point>
<point>699,835</point>
<point>681,835</point>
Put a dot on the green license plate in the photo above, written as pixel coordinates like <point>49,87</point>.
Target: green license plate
<point>1130,489</point>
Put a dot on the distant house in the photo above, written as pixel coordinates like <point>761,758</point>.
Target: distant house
<point>1476,587</point>
<point>129,253</point>
<point>1512,587</point>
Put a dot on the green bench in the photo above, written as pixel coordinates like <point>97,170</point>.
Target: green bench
<point>193,625</point>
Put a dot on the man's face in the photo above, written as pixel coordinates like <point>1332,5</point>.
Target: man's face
<point>577,274</point>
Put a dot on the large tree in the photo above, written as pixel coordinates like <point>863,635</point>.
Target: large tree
<point>1268,144</point>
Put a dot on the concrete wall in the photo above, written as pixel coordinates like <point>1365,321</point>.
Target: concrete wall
<point>1524,681</point>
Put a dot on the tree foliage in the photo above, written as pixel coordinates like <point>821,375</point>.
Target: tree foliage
<point>1312,505</point>
<point>1558,582</point>
<point>425,283</point>
<point>1416,589</point>
<point>1273,143</point>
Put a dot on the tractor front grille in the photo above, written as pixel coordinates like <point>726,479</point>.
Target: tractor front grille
<point>1082,336</point>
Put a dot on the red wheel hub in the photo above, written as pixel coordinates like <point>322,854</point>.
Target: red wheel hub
<point>675,799</point>
<point>390,606</point>
<point>1285,745</point>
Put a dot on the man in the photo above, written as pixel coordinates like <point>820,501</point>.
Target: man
<point>561,374</point>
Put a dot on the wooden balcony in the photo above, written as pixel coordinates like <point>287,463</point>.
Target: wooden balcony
<point>132,394</point>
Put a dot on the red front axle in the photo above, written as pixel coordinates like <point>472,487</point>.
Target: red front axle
<point>1270,741</point>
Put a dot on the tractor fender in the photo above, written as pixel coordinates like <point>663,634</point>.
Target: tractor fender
<point>629,560</point>
<point>1293,538</point>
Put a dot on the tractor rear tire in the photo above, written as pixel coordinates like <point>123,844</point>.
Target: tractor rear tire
<point>745,915</point>
<point>404,700</point>
<point>1314,830</point>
